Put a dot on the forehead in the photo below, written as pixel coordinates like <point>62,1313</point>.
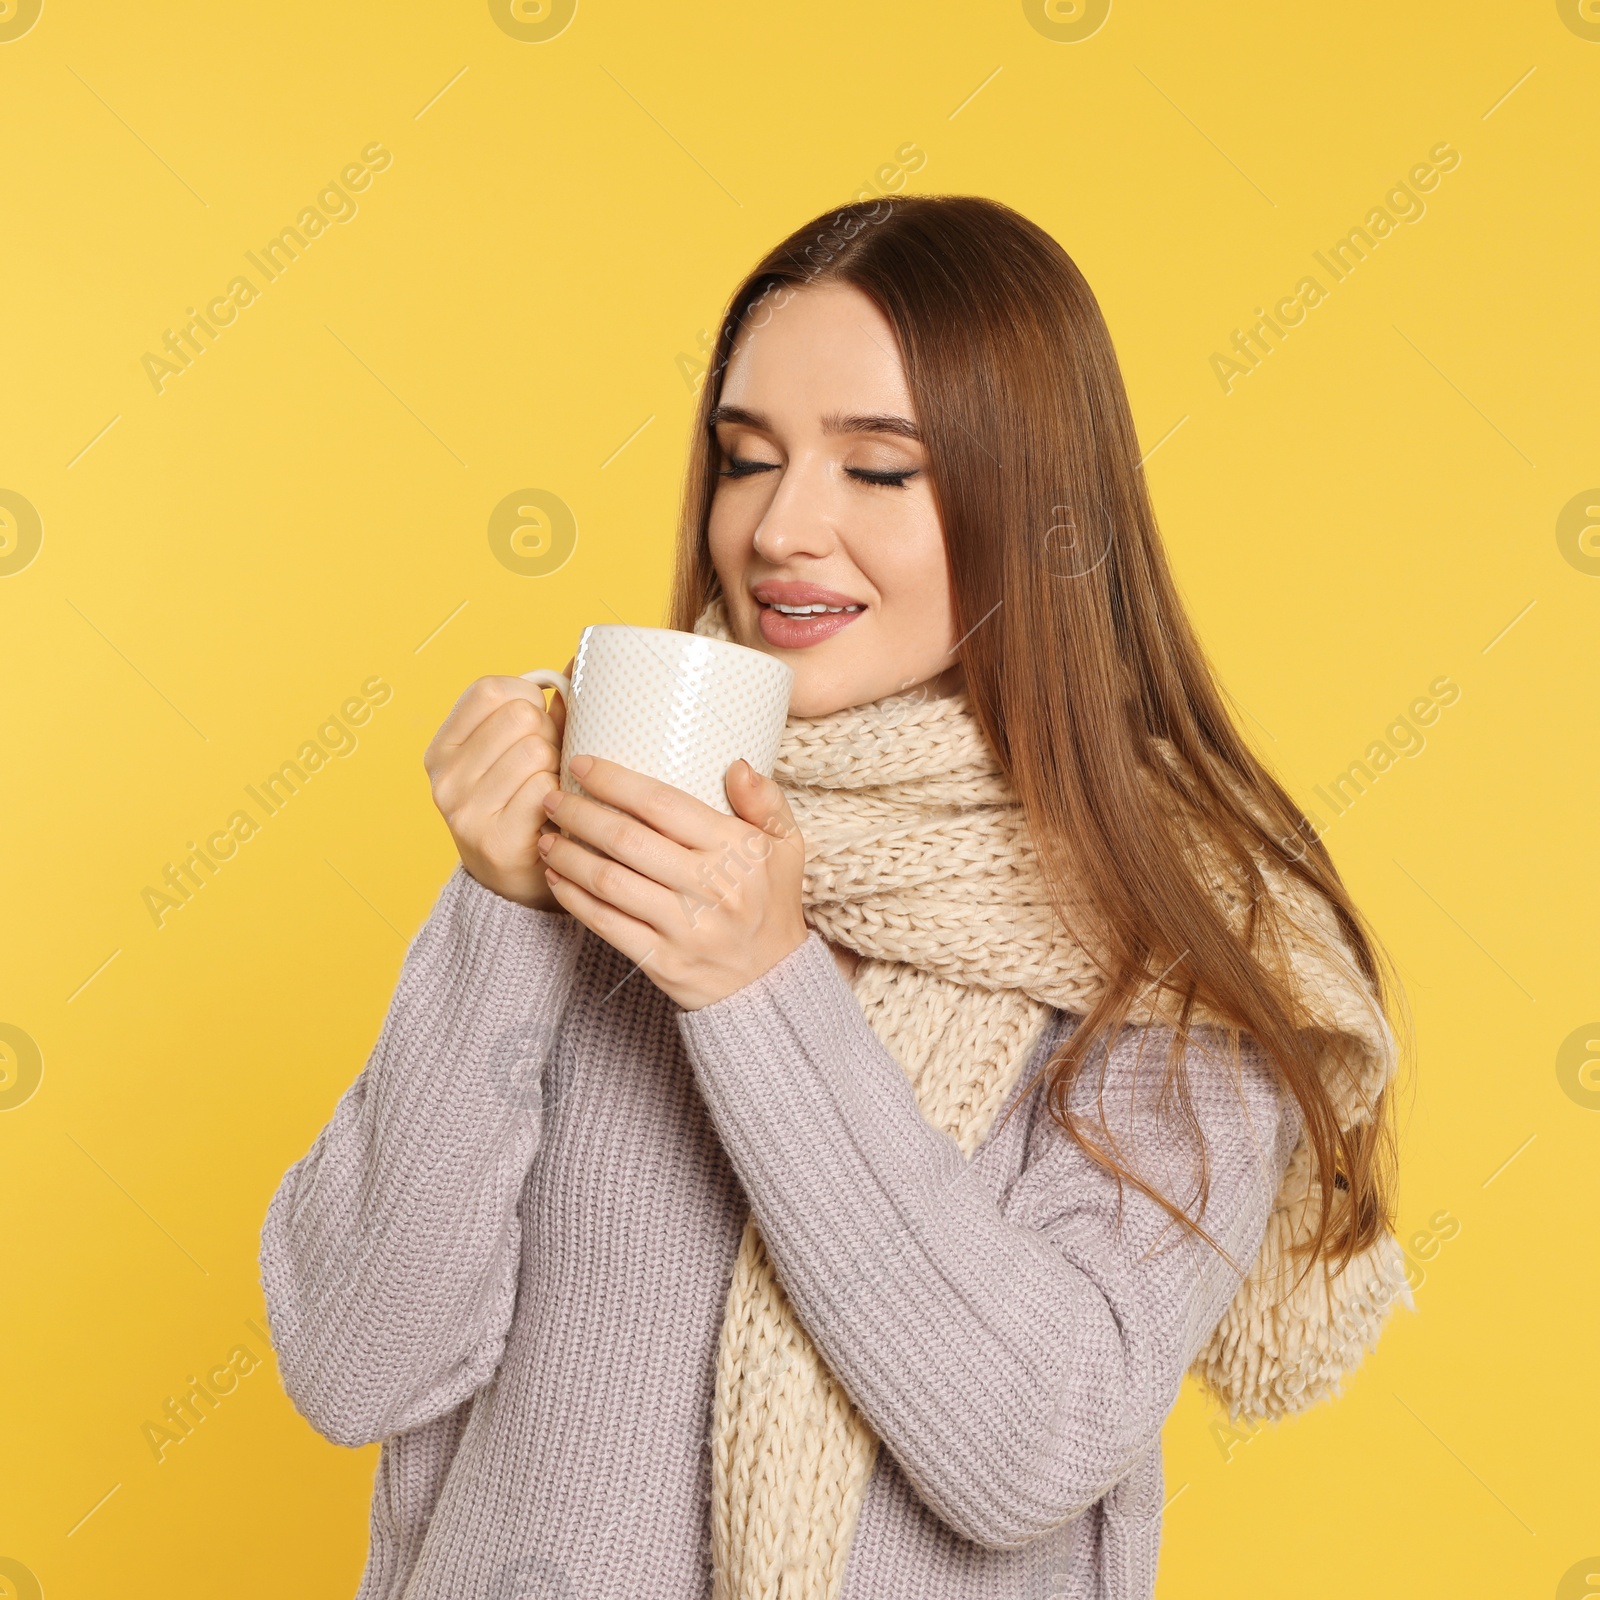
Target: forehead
<point>822,348</point>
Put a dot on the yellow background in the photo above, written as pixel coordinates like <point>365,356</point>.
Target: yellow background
<point>307,504</point>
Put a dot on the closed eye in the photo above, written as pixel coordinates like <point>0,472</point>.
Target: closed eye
<point>892,480</point>
<point>738,468</point>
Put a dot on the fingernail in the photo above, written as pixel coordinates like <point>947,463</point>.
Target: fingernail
<point>547,843</point>
<point>579,765</point>
<point>552,799</point>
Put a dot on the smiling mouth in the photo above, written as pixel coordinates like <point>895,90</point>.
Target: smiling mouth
<point>806,611</point>
<point>795,616</point>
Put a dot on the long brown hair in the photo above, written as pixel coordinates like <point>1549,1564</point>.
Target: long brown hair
<point>1077,652</point>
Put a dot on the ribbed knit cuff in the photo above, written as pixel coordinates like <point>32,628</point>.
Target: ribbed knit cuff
<point>498,929</point>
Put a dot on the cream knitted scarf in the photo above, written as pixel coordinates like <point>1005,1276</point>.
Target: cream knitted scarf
<point>918,859</point>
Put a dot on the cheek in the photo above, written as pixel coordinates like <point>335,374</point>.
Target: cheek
<point>729,540</point>
<point>913,574</point>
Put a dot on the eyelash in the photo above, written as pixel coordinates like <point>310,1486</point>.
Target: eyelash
<point>888,480</point>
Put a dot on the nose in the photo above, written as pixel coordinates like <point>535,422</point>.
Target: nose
<point>799,518</point>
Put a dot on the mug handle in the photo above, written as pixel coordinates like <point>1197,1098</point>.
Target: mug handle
<point>547,679</point>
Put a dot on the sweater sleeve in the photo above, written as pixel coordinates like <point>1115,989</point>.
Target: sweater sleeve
<point>1019,1355</point>
<point>390,1251</point>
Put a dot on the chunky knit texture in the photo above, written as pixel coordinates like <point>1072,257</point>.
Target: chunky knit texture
<point>919,860</point>
<point>918,854</point>
<point>792,1456</point>
<point>507,1257</point>
<point>559,1238</point>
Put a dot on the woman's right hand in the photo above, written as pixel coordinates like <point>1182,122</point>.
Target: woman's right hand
<point>491,764</point>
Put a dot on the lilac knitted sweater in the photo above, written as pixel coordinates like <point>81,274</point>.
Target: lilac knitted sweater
<point>507,1254</point>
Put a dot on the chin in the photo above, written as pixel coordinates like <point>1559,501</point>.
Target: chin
<point>811,699</point>
<point>819,692</point>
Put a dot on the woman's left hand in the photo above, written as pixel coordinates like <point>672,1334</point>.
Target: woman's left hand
<point>702,903</point>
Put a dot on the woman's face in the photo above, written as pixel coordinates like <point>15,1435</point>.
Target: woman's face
<point>824,530</point>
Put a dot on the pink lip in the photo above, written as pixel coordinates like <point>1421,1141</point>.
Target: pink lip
<point>798,633</point>
<point>771,591</point>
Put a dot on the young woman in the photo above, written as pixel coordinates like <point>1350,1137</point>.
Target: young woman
<point>829,1199</point>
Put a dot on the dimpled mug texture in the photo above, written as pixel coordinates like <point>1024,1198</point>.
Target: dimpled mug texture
<point>674,706</point>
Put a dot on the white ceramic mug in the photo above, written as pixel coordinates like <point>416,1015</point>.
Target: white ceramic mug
<point>672,705</point>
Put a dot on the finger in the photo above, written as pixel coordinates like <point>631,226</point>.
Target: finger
<point>481,700</point>
<point>512,720</point>
<point>671,812</point>
<point>635,939</point>
<point>527,758</point>
<point>598,875</point>
<point>523,816</point>
<point>624,838</point>
<point>762,803</point>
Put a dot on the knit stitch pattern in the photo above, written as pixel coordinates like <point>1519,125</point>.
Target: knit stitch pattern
<point>510,1254</point>
<point>507,1258</point>
<point>918,858</point>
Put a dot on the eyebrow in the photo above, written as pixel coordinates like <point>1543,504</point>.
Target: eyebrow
<point>901,427</point>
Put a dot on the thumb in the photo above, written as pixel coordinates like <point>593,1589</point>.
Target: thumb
<point>759,801</point>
